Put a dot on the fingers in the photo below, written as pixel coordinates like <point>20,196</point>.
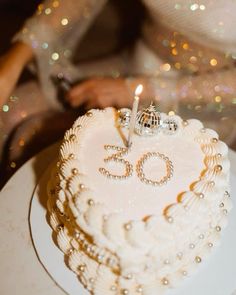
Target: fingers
<point>78,95</point>
<point>99,93</point>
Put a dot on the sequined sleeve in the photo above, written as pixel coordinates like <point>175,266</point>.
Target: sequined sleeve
<point>53,33</point>
<point>207,92</point>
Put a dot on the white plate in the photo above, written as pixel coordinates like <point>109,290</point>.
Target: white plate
<point>217,276</point>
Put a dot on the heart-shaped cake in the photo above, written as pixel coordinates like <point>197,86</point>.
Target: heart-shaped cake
<point>138,219</point>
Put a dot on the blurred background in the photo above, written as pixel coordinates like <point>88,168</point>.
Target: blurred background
<point>108,34</point>
<point>116,27</point>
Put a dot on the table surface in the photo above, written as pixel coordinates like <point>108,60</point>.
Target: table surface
<point>20,269</point>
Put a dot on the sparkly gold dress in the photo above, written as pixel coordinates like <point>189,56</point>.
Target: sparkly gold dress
<point>187,53</point>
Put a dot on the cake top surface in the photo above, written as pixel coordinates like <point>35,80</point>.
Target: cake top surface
<point>131,197</point>
<point>133,209</point>
<point>96,137</point>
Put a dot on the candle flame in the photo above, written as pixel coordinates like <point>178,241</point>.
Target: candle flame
<point>138,90</point>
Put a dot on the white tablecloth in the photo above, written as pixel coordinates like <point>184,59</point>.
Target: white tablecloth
<point>20,270</point>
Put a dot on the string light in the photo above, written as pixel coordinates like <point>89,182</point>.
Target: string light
<point>64,21</point>
<point>55,56</point>
<point>48,11</point>
<point>5,108</point>
<point>213,62</point>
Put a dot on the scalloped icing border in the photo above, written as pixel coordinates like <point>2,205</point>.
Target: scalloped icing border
<point>112,234</point>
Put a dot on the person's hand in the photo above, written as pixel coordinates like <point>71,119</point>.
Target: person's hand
<point>11,66</point>
<point>8,79</point>
<point>100,93</point>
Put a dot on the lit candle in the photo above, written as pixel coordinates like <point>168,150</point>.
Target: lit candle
<point>134,111</point>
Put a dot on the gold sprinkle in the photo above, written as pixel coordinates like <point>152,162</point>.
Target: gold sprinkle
<point>70,251</point>
<point>198,259</point>
<point>139,289</point>
<point>218,168</point>
<point>165,281</point>
<point>128,226</point>
<point>89,114</point>
<point>211,183</point>
<point>185,123</point>
<point>74,171</point>
<point>201,195</point>
<point>170,219</point>
<point>72,137</point>
<point>82,186</point>
<point>91,202</point>
<point>218,228</point>
<point>214,140</point>
<point>81,267</point>
<point>64,21</point>
<point>213,62</point>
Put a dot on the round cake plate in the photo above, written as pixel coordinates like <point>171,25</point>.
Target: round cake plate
<point>216,276</point>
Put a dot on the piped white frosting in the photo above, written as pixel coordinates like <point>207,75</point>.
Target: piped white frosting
<point>125,228</point>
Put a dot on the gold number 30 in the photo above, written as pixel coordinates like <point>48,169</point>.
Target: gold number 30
<point>117,157</point>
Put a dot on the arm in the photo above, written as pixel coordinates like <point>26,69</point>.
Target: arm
<point>49,38</point>
<point>214,89</point>
<point>11,66</point>
<point>57,26</point>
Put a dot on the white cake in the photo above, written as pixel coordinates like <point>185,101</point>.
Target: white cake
<point>138,220</point>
